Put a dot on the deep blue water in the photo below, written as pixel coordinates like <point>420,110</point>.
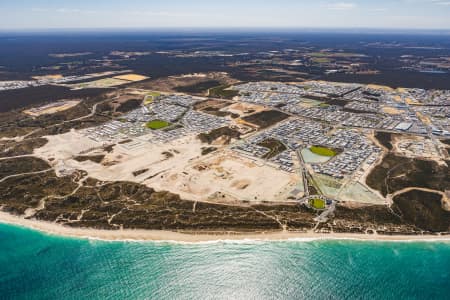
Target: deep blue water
<point>34,265</point>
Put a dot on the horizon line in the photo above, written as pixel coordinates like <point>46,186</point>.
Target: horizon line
<point>368,30</point>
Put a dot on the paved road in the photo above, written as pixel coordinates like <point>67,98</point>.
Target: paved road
<point>304,172</point>
<point>323,217</point>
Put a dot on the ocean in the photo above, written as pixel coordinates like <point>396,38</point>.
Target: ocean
<point>35,265</point>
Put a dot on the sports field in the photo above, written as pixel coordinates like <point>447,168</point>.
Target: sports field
<point>317,203</point>
<point>322,151</point>
<point>157,124</point>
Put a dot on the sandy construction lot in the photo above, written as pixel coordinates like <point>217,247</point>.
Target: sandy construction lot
<point>416,147</point>
<point>64,146</point>
<point>131,77</point>
<point>122,161</point>
<point>391,110</point>
<point>226,176</point>
<point>51,108</point>
<point>242,108</point>
<point>177,167</point>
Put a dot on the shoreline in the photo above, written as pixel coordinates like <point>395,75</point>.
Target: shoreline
<point>141,235</point>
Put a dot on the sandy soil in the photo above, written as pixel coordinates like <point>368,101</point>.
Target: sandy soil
<point>225,175</point>
<point>177,167</point>
<point>391,110</point>
<point>131,77</point>
<point>171,83</point>
<point>52,108</point>
<point>242,108</point>
<point>64,146</point>
<point>404,145</point>
<point>380,87</point>
<point>170,236</point>
<point>52,76</point>
<point>99,83</point>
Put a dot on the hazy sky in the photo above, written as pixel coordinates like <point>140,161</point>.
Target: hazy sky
<point>405,14</point>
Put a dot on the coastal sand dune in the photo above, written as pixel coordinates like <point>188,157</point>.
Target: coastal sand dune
<point>161,235</point>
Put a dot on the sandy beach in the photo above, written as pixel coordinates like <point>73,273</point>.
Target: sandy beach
<point>171,236</point>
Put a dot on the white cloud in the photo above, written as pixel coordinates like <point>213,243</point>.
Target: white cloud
<point>38,9</point>
<point>163,13</point>
<point>68,10</point>
<point>341,6</point>
<point>440,2</point>
<point>63,10</point>
<point>380,9</point>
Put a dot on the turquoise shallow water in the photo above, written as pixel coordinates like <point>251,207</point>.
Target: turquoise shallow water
<point>34,265</point>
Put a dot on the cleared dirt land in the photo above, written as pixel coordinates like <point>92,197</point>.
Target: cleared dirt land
<point>197,84</point>
<point>178,167</point>
<point>226,177</point>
